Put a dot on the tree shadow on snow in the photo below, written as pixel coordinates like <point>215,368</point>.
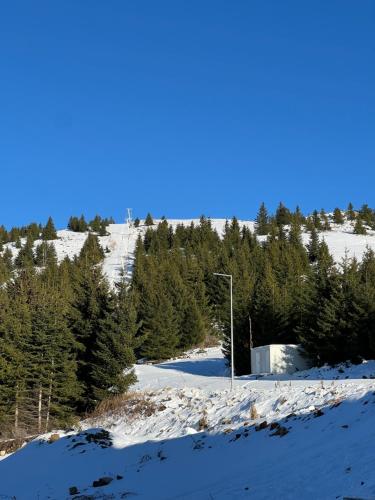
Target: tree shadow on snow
<point>213,367</point>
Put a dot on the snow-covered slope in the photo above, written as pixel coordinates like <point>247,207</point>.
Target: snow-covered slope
<point>192,438</point>
<point>120,243</point>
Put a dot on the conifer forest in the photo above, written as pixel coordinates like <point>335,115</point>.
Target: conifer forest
<point>69,339</point>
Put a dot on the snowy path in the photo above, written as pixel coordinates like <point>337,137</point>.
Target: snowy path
<point>207,370</point>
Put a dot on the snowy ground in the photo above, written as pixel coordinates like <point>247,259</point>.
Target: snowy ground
<point>326,451</point>
<point>120,243</point>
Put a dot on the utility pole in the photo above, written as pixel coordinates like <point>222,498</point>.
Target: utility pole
<point>250,339</point>
<point>231,327</point>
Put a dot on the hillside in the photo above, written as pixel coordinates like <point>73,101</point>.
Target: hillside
<point>187,436</point>
<point>180,432</point>
<point>120,242</point>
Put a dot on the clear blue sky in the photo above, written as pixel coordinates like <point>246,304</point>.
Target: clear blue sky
<point>184,107</point>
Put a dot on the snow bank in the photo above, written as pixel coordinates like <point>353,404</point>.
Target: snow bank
<point>201,442</point>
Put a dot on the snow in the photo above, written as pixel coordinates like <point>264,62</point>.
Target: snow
<point>121,240</point>
<point>327,452</point>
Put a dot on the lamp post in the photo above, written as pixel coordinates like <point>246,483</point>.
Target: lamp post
<point>231,326</point>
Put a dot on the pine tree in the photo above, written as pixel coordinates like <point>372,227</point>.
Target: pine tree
<point>136,222</point>
<point>337,216</point>
<point>33,231</point>
<point>91,253</point>
<point>262,221</point>
<point>49,231</point>
<point>316,220</point>
<point>160,328</point>
<point>45,254</point>
<point>295,234</point>
<point>283,215</point>
<point>15,369</point>
<point>366,214</point>
<point>89,307</point>
<point>113,356</point>
<point>103,228</point>
<point>298,216</point>
<point>193,328</point>
<point>6,266</point>
<point>95,224</point>
<point>359,228</point>
<point>73,224</point>
<point>313,246</point>
<point>324,221</point>
<point>149,221</point>
<point>54,351</point>
<point>82,224</point>
<point>366,323</point>
<point>350,212</point>
<point>25,257</point>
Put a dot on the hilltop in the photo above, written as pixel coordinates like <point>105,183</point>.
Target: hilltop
<point>120,242</point>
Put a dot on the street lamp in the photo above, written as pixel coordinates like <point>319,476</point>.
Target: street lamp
<point>231,326</point>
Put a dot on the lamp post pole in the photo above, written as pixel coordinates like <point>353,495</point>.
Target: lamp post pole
<point>231,327</point>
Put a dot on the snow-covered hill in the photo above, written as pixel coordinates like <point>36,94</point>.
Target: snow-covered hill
<point>185,435</point>
<point>120,243</point>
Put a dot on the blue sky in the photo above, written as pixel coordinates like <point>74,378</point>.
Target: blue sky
<point>184,107</point>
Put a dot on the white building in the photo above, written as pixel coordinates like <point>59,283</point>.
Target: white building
<point>278,358</point>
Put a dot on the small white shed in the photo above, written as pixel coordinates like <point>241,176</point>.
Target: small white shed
<point>278,358</point>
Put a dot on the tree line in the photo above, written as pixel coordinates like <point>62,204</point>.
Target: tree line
<point>35,231</point>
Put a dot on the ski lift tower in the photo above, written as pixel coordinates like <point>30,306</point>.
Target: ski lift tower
<point>126,235</point>
<point>129,220</point>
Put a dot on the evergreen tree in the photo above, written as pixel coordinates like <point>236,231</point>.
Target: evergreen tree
<point>149,221</point>
<point>359,228</point>
<point>25,257</point>
<point>91,253</point>
<point>298,216</point>
<point>113,354</point>
<point>15,366</point>
<point>313,246</point>
<point>324,221</point>
<point>95,224</point>
<point>6,266</point>
<point>295,234</point>
<point>45,254</point>
<point>78,225</point>
<point>316,220</point>
<point>54,351</point>
<point>88,309</point>
<point>33,231</point>
<point>366,214</point>
<point>49,231</point>
<point>283,215</point>
<point>160,328</point>
<point>337,216</point>
<point>350,212</point>
<point>262,221</point>
<point>193,328</point>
